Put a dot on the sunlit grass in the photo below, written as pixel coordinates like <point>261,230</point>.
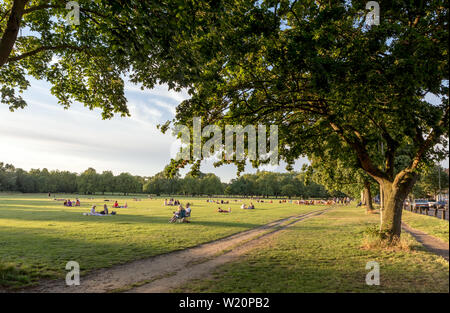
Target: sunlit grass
<point>39,235</point>
<point>428,224</point>
<point>326,254</point>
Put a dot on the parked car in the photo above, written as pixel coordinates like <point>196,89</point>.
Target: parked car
<point>421,203</point>
<point>441,204</point>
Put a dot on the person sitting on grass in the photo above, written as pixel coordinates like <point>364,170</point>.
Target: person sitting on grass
<point>188,209</point>
<point>179,214</point>
<point>105,209</point>
<point>116,204</point>
<point>69,203</point>
<point>94,213</point>
<point>252,206</point>
<point>187,213</point>
<point>78,203</point>
<point>65,202</point>
<point>243,206</point>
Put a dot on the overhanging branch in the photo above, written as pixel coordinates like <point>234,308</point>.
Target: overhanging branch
<point>46,48</point>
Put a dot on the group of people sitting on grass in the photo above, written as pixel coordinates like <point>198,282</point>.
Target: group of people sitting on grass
<point>218,201</point>
<point>250,207</point>
<point>70,203</point>
<point>268,201</point>
<point>171,202</point>
<point>101,213</point>
<point>181,214</point>
<point>116,205</point>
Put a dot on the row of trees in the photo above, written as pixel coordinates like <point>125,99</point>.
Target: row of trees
<point>260,184</point>
<point>291,184</point>
<point>88,182</point>
<point>314,181</point>
<point>347,178</point>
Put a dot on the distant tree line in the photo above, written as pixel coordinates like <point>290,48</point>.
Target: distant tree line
<point>88,182</point>
<point>262,183</point>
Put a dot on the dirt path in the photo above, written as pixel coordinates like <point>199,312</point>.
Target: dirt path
<point>164,272</point>
<point>431,243</point>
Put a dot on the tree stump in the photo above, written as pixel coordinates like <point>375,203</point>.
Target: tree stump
<point>443,214</point>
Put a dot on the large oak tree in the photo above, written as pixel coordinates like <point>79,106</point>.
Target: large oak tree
<point>320,73</point>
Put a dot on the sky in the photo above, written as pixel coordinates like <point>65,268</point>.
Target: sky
<point>44,135</point>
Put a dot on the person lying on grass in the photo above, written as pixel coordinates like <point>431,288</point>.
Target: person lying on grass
<point>224,211</point>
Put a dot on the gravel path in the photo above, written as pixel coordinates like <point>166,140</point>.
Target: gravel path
<point>164,272</point>
<point>431,243</point>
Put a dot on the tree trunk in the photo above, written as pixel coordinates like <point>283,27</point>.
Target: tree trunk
<point>395,194</point>
<point>12,29</point>
<point>367,195</point>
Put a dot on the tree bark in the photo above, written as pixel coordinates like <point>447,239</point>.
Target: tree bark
<point>12,29</point>
<point>395,194</point>
<point>367,196</point>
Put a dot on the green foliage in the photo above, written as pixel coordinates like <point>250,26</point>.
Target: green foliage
<point>429,181</point>
<point>202,184</point>
<point>88,182</point>
<point>88,62</point>
<point>334,86</point>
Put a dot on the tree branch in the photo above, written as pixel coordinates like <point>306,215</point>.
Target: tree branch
<point>52,6</point>
<point>46,48</point>
<point>430,141</point>
<point>363,156</point>
<point>12,29</point>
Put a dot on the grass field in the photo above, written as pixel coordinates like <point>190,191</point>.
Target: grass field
<point>325,254</point>
<point>39,235</point>
<point>428,224</point>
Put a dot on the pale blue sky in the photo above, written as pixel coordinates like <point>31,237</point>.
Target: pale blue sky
<point>45,135</point>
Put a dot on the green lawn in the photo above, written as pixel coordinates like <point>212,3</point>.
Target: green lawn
<point>428,224</point>
<point>325,254</point>
<point>39,235</point>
